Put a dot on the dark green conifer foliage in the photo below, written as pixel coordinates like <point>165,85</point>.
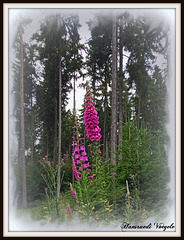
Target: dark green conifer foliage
<point>58,37</point>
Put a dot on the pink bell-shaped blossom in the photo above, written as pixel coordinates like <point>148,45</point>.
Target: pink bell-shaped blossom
<point>91,119</point>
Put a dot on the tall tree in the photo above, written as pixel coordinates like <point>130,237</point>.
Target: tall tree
<point>120,89</point>
<point>114,93</point>
<point>59,145</point>
<point>99,66</point>
<point>22,133</point>
<point>105,149</point>
<point>143,45</point>
<point>56,39</point>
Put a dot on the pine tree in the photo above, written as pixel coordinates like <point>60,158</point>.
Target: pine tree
<point>55,40</point>
<point>99,67</point>
<point>114,94</point>
<point>143,46</point>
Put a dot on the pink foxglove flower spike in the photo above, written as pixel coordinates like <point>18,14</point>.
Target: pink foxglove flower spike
<point>91,119</point>
<point>68,209</point>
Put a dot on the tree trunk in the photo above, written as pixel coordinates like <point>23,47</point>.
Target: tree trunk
<point>126,111</point>
<point>74,96</point>
<point>32,127</point>
<point>114,95</point>
<point>22,134</point>
<point>105,117</point>
<point>139,112</point>
<point>59,146</point>
<point>94,80</point>
<point>55,130</point>
<point>74,114</point>
<point>47,147</point>
<point>107,148</point>
<point>120,130</point>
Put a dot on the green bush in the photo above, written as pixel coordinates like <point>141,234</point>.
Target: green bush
<point>144,165</point>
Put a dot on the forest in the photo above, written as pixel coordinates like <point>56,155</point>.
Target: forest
<point>108,161</point>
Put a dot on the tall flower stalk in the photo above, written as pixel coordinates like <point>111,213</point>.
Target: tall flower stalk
<point>91,118</point>
<point>80,164</point>
<point>87,191</point>
<point>79,157</point>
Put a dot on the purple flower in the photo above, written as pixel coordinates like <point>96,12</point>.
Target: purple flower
<point>68,209</point>
<point>82,148</point>
<point>86,165</point>
<point>76,149</point>
<point>84,153</point>
<point>83,158</point>
<point>77,156</point>
<point>73,193</point>
<point>91,119</point>
<point>75,171</point>
<point>80,168</point>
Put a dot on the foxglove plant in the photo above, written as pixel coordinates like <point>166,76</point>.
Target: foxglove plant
<point>79,161</point>
<point>73,193</point>
<point>81,170</point>
<point>91,119</point>
<point>86,188</point>
<point>68,210</point>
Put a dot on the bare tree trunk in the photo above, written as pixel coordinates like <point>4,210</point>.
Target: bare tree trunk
<point>59,146</point>
<point>120,130</point>
<point>47,145</point>
<point>55,130</point>
<point>94,80</point>
<point>74,95</point>
<point>22,133</point>
<point>114,94</point>
<point>74,114</point>
<point>139,112</point>
<point>32,134</point>
<point>107,148</point>
<point>105,118</point>
<point>126,111</point>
